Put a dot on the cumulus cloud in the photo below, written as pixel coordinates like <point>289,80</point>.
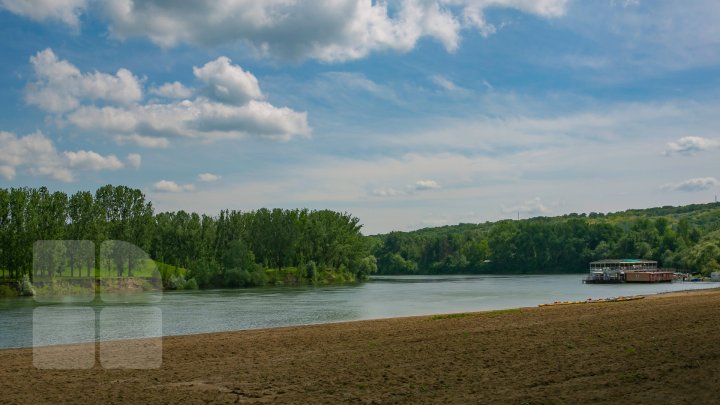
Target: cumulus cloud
<point>230,106</point>
<point>36,155</point>
<point>60,86</point>
<point>134,160</point>
<point>172,90</point>
<point>328,30</point>
<point>695,184</point>
<point>208,177</point>
<point>691,145</point>
<point>532,207</point>
<point>66,11</point>
<point>200,119</point>
<point>93,161</point>
<point>167,186</point>
<point>227,82</point>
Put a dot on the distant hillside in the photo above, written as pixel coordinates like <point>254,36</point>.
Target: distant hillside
<point>686,237</point>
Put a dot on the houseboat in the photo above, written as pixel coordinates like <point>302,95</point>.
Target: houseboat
<point>626,271</point>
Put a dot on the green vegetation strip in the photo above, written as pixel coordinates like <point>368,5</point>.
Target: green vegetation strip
<point>489,314</point>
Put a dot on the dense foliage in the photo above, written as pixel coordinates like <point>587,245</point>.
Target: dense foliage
<point>686,237</point>
<point>238,249</point>
<point>232,249</point>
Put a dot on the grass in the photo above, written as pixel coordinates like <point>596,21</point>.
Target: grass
<point>147,269</point>
<point>488,314</point>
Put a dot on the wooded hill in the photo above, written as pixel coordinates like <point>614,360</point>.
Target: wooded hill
<point>685,237</point>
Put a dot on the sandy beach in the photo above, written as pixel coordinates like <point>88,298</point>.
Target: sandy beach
<point>661,349</point>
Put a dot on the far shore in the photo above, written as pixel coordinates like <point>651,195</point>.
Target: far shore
<point>659,349</point>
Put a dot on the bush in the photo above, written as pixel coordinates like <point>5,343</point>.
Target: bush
<point>366,267</point>
<point>205,273</point>
<point>236,277</point>
<point>7,291</point>
<point>176,283</point>
<point>25,287</point>
<point>310,270</point>
<point>191,284</point>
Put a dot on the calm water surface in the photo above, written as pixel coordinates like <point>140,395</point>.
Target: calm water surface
<point>189,312</point>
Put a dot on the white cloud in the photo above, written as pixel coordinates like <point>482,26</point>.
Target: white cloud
<point>208,177</point>
<point>387,192</point>
<point>425,185</point>
<point>348,81</point>
<point>691,145</point>
<point>7,172</point>
<point>199,119</point>
<point>93,161</point>
<point>228,83</point>
<point>143,141</point>
<point>328,30</point>
<point>625,3</point>
<point>37,155</point>
<point>172,90</point>
<point>167,186</point>
<point>695,184</point>
<point>445,83</point>
<point>473,11</point>
<point>67,11</point>
<point>134,160</point>
<point>35,152</point>
<point>532,207</point>
<point>60,86</point>
<point>420,185</point>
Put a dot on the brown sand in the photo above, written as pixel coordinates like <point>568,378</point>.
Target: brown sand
<point>663,349</point>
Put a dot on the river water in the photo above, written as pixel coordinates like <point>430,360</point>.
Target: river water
<point>190,312</point>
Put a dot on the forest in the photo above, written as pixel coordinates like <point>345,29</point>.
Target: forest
<point>232,249</point>
<point>280,246</point>
<point>686,238</point>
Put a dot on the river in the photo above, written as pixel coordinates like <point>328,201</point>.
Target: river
<point>190,312</point>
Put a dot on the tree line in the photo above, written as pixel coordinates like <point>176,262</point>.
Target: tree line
<point>231,249</point>
<point>686,238</point>
<point>235,249</point>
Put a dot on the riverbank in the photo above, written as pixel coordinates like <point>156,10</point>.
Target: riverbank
<point>659,349</point>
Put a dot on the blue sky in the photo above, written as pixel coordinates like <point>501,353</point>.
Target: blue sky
<point>406,113</point>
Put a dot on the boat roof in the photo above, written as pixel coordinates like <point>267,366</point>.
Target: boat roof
<point>624,261</point>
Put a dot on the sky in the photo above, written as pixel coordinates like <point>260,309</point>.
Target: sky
<point>405,113</point>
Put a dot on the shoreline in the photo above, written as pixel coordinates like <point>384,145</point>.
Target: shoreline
<point>615,352</point>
